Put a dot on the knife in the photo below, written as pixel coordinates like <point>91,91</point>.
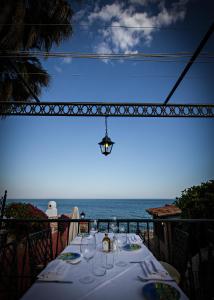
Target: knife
<point>54,281</point>
<point>153,266</point>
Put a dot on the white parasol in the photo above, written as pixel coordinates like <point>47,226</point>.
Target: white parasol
<point>73,230</point>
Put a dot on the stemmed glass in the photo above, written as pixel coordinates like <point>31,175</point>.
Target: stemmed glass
<point>114,226</point>
<point>88,249</point>
<point>94,228</point>
<point>122,241</point>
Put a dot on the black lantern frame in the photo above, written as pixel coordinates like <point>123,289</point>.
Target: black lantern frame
<point>106,144</point>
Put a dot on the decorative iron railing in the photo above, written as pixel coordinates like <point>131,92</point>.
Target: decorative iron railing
<point>99,109</point>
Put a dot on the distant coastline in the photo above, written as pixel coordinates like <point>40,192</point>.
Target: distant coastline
<point>101,208</point>
<point>76,199</point>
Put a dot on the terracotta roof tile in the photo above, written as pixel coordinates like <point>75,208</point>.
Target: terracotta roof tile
<point>167,210</point>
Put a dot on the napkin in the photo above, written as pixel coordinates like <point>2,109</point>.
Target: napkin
<point>55,270</point>
<point>153,272</point>
<point>135,239</point>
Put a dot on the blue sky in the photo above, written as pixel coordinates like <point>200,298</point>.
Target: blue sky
<point>152,158</point>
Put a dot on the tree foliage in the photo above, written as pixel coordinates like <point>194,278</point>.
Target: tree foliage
<point>12,88</point>
<point>24,211</point>
<point>197,202</point>
<point>26,25</point>
<point>30,24</point>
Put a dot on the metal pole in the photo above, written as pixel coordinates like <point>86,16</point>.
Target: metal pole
<point>191,61</point>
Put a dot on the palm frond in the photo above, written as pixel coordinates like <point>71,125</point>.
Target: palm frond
<point>22,12</point>
<point>13,89</point>
<point>20,35</point>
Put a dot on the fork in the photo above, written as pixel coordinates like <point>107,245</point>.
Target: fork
<point>145,279</point>
<point>147,270</point>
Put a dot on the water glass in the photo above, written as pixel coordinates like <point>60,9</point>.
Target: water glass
<point>88,249</point>
<point>109,260</point>
<point>99,263</point>
<point>121,241</point>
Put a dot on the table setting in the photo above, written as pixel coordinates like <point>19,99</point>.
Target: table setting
<point>88,269</point>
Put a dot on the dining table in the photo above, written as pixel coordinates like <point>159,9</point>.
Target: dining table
<point>62,278</point>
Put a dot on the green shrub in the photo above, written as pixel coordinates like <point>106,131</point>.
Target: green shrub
<point>197,202</point>
<point>24,211</point>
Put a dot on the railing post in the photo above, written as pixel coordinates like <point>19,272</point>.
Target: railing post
<point>78,229</point>
<point>57,240</point>
<point>138,228</point>
<point>128,227</point>
<point>169,243</point>
<point>148,237</point>
<point>3,203</point>
<point>68,229</point>
<point>108,227</point>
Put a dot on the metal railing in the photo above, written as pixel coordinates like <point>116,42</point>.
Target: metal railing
<point>99,109</point>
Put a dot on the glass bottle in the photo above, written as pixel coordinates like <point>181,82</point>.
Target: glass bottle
<point>106,243</point>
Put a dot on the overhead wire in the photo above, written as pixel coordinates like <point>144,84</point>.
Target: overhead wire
<point>126,76</point>
<point>103,26</point>
<point>82,54</point>
<point>140,56</point>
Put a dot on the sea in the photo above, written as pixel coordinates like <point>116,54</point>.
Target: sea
<point>102,208</point>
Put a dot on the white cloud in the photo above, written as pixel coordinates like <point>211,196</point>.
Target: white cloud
<point>101,48</point>
<point>58,69</point>
<point>108,12</point>
<point>176,13</point>
<point>67,60</point>
<point>124,32</point>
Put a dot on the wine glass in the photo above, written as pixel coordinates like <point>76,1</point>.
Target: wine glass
<point>94,228</point>
<point>121,241</point>
<point>88,249</point>
<point>114,226</point>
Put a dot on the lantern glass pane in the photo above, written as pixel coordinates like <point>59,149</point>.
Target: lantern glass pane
<point>106,145</point>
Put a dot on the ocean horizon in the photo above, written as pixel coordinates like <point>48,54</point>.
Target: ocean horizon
<point>101,208</point>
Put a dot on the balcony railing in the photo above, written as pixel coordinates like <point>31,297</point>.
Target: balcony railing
<point>188,245</point>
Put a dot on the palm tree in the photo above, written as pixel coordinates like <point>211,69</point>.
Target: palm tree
<point>12,88</point>
<point>27,25</point>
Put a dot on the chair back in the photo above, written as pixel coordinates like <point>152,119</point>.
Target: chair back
<point>40,250</point>
<point>206,267</point>
<point>180,250</point>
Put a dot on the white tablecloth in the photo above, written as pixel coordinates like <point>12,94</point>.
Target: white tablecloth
<point>118,283</point>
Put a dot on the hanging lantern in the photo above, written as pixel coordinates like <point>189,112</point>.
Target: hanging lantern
<point>106,144</point>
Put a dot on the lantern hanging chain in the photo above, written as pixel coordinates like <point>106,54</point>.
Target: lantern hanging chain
<point>106,125</point>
